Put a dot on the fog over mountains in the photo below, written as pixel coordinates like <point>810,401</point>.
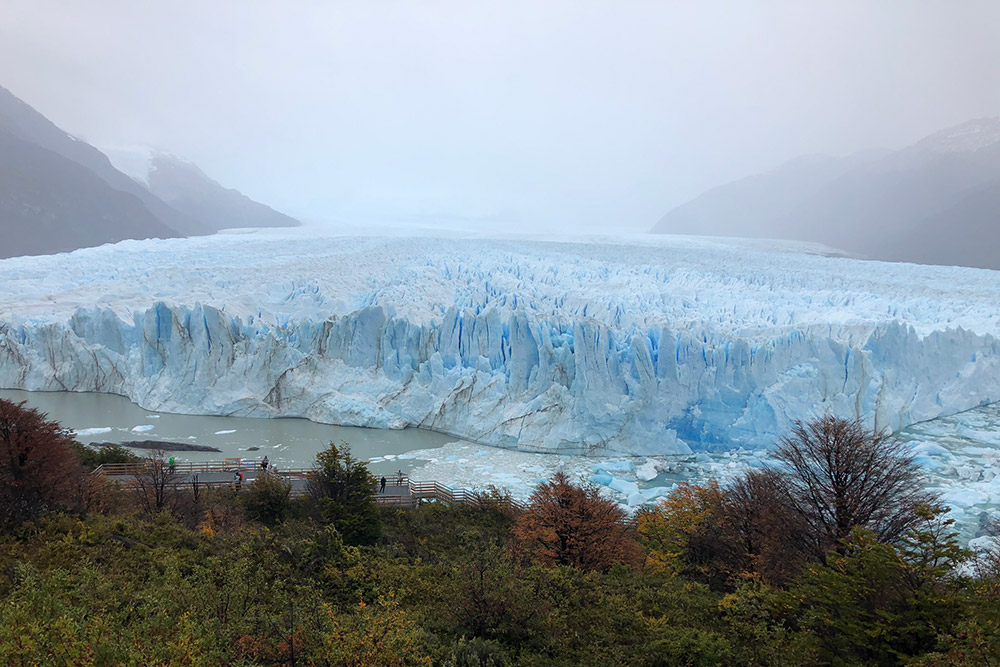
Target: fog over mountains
<point>934,202</point>
<point>58,193</point>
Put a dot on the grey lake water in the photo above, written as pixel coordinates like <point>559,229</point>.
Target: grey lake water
<point>288,443</point>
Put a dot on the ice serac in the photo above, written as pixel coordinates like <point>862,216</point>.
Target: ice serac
<point>639,348</point>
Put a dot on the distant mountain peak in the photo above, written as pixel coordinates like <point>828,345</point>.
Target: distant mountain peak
<point>164,161</point>
<point>139,162</point>
<point>967,137</point>
<point>186,187</point>
<point>133,161</point>
<point>182,184</point>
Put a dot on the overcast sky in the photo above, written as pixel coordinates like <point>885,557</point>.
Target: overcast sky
<point>575,114</point>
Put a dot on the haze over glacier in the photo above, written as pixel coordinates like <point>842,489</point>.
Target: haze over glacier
<point>630,345</point>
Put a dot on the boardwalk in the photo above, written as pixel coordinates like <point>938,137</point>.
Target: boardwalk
<point>399,491</point>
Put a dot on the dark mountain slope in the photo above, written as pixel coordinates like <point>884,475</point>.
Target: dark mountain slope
<point>22,121</point>
<point>185,187</point>
<point>50,204</point>
<point>907,205</point>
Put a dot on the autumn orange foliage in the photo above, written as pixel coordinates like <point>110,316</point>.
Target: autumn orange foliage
<point>38,469</point>
<point>567,524</point>
<point>672,532</point>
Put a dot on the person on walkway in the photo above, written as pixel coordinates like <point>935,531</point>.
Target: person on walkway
<point>381,488</point>
<point>172,464</point>
<point>399,478</point>
<point>237,480</point>
<point>263,464</point>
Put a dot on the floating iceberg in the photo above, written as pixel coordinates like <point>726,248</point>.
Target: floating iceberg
<point>97,430</point>
<point>642,347</point>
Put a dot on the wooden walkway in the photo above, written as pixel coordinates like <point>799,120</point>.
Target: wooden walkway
<point>400,491</point>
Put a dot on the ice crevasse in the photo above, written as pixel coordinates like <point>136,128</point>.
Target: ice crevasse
<point>639,347</point>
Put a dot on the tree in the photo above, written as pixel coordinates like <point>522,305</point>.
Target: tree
<point>766,534</point>
<point>878,603</point>
<point>157,484</point>
<point>681,534</point>
<point>38,468</point>
<point>840,475</point>
<point>567,524</point>
<point>343,491</point>
<point>267,499</point>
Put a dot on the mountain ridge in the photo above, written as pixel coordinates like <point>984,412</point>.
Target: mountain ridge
<point>902,205</point>
<point>59,193</point>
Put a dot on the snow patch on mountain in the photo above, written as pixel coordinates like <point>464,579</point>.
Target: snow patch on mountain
<point>133,161</point>
<point>968,137</point>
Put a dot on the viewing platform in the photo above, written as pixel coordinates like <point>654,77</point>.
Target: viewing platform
<point>400,490</point>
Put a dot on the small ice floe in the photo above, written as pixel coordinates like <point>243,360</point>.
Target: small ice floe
<point>601,478</point>
<point>152,416</point>
<point>97,430</point>
<point>226,432</point>
<point>962,498</point>
<point>984,545</point>
<point>142,428</point>
<point>930,449</point>
<point>656,492</point>
<point>624,486</point>
<point>646,471</point>
<point>636,499</point>
<point>614,466</point>
<point>606,493</point>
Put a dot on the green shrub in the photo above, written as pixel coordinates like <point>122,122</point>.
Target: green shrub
<point>267,499</point>
<point>92,456</point>
<point>343,492</point>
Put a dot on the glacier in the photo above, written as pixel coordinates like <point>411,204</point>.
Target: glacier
<point>630,345</point>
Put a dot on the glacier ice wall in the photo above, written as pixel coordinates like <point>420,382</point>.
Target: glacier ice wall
<point>631,347</point>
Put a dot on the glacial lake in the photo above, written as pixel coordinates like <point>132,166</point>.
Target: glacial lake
<point>288,443</point>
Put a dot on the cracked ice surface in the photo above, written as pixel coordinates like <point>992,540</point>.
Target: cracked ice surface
<point>958,455</point>
<point>634,345</point>
<point>628,481</point>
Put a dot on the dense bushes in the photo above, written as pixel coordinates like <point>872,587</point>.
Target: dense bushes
<point>91,456</point>
<point>261,578</point>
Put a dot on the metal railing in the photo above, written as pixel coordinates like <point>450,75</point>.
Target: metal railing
<point>436,491</point>
<point>416,491</point>
<point>191,467</point>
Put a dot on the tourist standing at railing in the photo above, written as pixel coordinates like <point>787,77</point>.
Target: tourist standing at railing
<point>381,488</point>
<point>263,464</point>
<point>399,478</point>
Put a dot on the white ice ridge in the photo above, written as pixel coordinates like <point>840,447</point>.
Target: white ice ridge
<point>619,345</point>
